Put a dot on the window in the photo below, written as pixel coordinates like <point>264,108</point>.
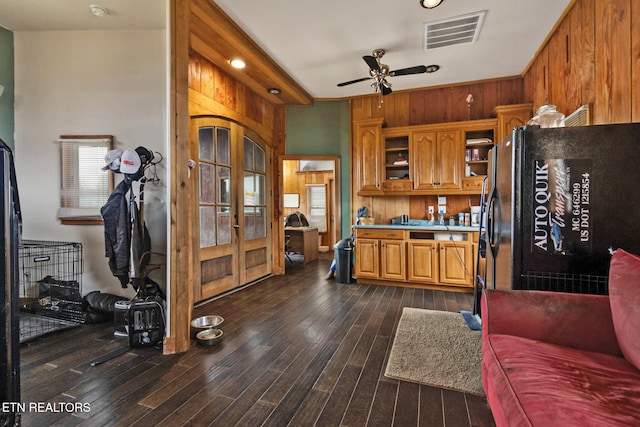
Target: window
<point>317,199</point>
<point>84,186</point>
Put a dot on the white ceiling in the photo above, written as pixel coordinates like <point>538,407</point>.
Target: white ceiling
<point>322,43</point>
<point>64,15</point>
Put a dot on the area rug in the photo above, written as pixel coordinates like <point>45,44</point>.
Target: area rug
<point>436,348</point>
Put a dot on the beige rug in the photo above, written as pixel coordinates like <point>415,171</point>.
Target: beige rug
<point>436,348</point>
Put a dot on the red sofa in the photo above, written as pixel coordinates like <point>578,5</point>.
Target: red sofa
<point>559,359</point>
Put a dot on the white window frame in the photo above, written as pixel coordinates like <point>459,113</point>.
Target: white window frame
<point>317,205</point>
<point>84,186</point>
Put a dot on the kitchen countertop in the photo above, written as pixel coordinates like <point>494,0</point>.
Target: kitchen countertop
<point>423,225</point>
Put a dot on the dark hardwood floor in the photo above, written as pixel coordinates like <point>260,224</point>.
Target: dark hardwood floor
<point>297,350</point>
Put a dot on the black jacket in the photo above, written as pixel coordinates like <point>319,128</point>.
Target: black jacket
<point>117,231</point>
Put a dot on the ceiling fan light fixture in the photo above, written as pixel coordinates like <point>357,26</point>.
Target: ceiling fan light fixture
<point>430,4</point>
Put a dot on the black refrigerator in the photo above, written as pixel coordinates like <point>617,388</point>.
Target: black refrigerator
<point>561,200</point>
<point>10,225</point>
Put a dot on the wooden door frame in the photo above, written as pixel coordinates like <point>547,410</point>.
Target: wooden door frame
<point>336,203</point>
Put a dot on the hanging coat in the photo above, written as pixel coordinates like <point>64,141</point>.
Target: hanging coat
<point>140,243</point>
<point>117,231</point>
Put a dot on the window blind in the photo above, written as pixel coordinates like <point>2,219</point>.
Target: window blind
<point>84,186</point>
<point>317,200</point>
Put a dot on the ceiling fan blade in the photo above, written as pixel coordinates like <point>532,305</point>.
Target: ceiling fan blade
<point>372,62</point>
<point>410,70</point>
<point>353,81</point>
<point>385,88</point>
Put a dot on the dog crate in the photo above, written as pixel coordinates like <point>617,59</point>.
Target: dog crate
<point>50,287</point>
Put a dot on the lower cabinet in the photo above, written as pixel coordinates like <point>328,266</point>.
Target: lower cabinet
<point>380,254</point>
<point>390,255</point>
<point>423,261</point>
<point>393,259</point>
<point>456,263</point>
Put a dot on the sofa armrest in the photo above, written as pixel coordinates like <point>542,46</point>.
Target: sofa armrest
<point>579,321</point>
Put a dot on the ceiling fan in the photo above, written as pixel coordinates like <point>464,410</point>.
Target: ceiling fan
<point>379,72</point>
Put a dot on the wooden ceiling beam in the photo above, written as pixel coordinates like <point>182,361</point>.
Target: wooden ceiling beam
<point>217,37</point>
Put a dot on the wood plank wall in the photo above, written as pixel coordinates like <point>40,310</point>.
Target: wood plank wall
<point>439,104</point>
<point>593,57</point>
<point>240,103</point>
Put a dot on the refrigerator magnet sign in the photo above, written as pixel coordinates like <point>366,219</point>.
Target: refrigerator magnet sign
<point>561,216</point>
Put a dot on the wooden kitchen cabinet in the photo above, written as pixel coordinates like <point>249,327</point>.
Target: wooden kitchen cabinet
<point>479,139</point>
<point>367,151</point>
<point>511,116</point>
<point>415,258</point>
<point>456,263</point>
<point>393,259</point>
<point>438,160</point>
<point>428,159</point>
<point>397,160</point>
<point>367,258</point>
<point>380,254</point>
<point>422,260</point>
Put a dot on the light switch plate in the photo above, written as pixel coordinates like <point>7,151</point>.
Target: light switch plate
<point>431,209</point>
<point>442,200</point>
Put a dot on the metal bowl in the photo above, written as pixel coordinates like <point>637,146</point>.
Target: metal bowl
<point>204,322</point>
<point>209,336</point>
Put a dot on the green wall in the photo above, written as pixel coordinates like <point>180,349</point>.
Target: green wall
<point>6,80</point>
<point>323,130</point>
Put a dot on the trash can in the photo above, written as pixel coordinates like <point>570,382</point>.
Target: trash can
<point>343,254</point>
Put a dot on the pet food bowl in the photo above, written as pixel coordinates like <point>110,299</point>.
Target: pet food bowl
<point>203,323</point>
<point>209,337</point>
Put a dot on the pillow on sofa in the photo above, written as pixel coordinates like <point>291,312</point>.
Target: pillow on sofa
<point>624,296</point>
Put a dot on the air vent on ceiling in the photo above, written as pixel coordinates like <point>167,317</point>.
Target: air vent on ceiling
<point>452,31</point>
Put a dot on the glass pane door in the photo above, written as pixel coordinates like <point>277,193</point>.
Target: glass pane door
<point>215,268</point>
<point>230,214</point>
<point>215,185</point>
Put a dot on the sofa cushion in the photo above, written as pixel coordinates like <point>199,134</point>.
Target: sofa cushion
<point>624,296</point>
<point>541,384</point>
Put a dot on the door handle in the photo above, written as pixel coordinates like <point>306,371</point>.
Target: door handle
<point>236,226</point>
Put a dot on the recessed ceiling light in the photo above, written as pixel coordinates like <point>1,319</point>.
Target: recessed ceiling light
<point>237,63</point>
<point>98,10</point>
<point>430,4</point>
<point>274,91</point>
